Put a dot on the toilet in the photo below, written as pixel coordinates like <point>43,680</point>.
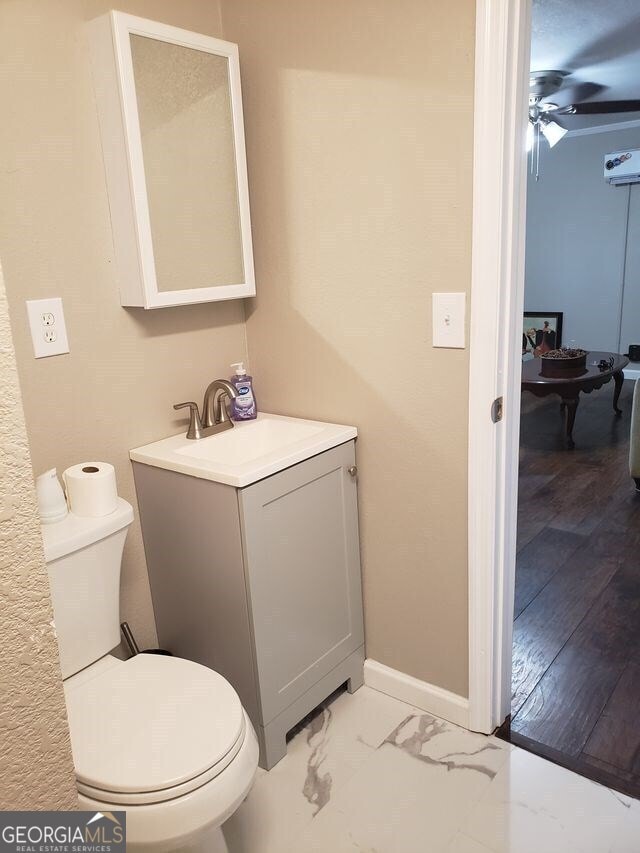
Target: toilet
<point>162,738</point>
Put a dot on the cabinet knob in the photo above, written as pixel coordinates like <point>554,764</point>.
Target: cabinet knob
<point>353,470</point>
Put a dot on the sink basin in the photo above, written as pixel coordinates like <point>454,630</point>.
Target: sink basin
<point>247,453</point>
<point>250,441</point>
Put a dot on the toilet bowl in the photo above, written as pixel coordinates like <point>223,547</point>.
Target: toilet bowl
<point>164,739</point>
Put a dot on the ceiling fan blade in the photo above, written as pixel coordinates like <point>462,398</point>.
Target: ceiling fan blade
<point>578,93</point>
<point>591,108</point>
<point>613,43</point>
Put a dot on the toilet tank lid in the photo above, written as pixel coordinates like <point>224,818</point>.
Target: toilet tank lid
<point>75,532</point>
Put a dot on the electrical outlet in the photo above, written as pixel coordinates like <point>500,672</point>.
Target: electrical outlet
<point>48,329</point>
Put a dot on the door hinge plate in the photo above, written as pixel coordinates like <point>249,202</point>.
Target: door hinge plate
<point>496,410</point>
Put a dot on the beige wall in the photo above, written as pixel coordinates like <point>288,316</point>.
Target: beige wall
<point>36,769</point>
<point>359,130</point>
<point>126,368</point>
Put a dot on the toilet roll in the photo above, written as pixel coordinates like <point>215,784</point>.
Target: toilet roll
<point>91,489</point>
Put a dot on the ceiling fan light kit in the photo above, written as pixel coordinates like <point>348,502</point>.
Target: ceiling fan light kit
<point>543,113</point>
<point>552,131</point>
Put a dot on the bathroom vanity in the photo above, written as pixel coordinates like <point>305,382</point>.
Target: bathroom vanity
<point>251,538</point>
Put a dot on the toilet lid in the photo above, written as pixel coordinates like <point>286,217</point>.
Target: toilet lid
<point>152,723</point>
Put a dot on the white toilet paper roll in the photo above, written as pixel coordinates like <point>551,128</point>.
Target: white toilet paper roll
<point>91,489</point>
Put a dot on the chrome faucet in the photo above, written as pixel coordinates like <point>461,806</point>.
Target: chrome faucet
<point>214,406</point>
<point>215,417</point>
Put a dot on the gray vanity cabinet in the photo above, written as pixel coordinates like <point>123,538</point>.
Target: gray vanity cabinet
<point>300,537</point>
<point>261,583</point>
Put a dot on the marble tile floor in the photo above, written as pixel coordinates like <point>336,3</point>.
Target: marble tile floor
<point>370,774</point>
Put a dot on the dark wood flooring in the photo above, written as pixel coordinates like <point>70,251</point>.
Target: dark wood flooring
<point>576,644</point>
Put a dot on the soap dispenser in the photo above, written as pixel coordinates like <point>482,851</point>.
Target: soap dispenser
<point>244,407</point>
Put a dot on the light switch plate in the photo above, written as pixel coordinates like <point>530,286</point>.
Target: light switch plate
<point>48,329</point>
<point>449,320</point>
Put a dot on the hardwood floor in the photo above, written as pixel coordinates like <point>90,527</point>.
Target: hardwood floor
<point>576,645</point>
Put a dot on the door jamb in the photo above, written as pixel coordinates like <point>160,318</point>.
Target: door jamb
<point>503,34</point>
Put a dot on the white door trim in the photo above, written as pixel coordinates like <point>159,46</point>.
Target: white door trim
<point>503,31</point>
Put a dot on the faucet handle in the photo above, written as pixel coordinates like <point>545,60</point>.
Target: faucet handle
<point>195,424</point>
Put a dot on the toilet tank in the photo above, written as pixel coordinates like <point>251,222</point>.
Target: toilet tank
<point>83,562</point>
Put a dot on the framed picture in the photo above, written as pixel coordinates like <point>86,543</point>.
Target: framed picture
<point>541,332</point>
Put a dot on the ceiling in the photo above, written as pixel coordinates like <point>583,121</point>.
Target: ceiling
<point>598,41</point>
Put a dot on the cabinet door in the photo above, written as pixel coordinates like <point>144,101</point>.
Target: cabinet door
<point>300,530</point>
<point>170,112</point>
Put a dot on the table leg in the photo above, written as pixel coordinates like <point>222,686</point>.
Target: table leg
<point>572,406</point>
<point>618,378</point>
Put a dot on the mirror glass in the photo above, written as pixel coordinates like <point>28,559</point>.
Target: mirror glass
<point>184,109</point>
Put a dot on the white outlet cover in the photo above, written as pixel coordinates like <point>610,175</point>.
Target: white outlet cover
<point>49,336</point>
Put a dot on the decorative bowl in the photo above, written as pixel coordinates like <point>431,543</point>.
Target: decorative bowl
<point>556,361</point>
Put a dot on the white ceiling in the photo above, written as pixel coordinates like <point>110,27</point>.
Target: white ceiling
<point>598,41</point>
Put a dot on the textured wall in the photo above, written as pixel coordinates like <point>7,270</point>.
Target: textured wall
<point>126,368</point>
<point>359,125</point>
<point>36,769</point>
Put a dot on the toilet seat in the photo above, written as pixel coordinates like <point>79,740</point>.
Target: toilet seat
<point>165,794</point>
<point>167,826</point>
<point>151,729</point>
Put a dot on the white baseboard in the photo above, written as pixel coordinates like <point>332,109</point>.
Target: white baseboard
<point>441,703</point>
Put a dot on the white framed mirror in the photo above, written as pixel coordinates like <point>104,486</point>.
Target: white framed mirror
<point>170,110</point>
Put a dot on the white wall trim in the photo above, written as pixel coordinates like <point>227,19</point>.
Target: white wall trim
<point>497,299</point>
<point>420,694</point>
<point>503,37</point>
<point>603,128</point>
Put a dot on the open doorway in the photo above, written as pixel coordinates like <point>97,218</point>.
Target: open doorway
<point>576,630</point>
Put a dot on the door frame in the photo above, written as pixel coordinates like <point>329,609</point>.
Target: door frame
<point>503,36</point>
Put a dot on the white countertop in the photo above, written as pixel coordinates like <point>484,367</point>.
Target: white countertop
<point>249,452</point>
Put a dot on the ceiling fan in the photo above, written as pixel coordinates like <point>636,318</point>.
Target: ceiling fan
<point>543,113</point>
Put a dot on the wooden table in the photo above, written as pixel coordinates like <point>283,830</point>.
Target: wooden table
<point>570,383</point>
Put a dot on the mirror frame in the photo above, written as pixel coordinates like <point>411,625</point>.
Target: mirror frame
<point>124,161</point>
